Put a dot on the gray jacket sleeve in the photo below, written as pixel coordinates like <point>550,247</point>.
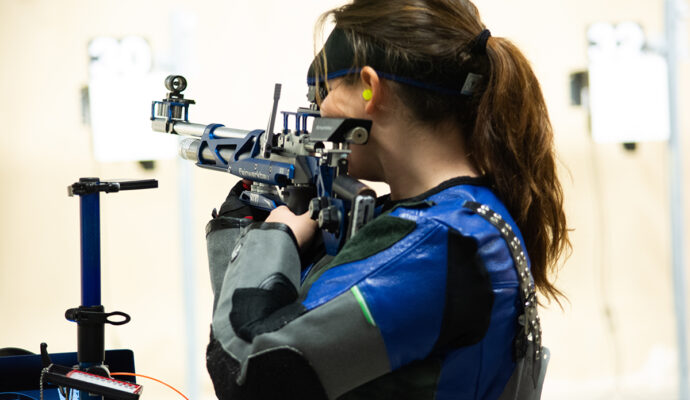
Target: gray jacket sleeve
<point>263,262</point>
<point>222,234</point>
<point>255,273</point>
<point>265,343</point>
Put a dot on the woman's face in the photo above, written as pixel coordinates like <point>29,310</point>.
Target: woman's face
<point>345,101</point>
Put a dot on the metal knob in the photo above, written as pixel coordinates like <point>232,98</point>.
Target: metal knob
<point>358,135</point>
<point>316,205</point>
<point>329,219</point>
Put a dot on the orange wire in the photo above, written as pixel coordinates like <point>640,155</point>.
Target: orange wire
<point>148,377</point>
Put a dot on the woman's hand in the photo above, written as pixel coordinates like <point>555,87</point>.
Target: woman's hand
<point>302,226</point>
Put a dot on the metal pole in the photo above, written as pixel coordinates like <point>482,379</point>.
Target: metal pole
<point>672,13</point>
<point>90,250</point>
<point>90,337</point>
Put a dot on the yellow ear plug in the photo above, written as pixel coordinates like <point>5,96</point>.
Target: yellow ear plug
<point>366,94</point>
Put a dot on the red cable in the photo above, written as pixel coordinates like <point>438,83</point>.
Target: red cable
<point>148,377</point>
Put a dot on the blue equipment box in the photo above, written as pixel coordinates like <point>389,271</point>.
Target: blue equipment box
<point>20,375</point>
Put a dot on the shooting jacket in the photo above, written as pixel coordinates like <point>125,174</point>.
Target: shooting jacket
<point>422,303</point>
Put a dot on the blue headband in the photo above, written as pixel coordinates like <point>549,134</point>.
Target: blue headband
<point>442,76</point>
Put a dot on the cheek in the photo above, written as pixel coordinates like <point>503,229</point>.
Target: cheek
<point>342,103</point>
<point>332,107</point>
<point>325,108</point>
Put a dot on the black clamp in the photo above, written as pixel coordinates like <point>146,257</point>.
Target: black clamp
<point>94,185</point>
<point>95,316</point>
<point>90,331</point>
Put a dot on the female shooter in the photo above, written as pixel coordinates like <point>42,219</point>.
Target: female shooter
<point>434,298</point>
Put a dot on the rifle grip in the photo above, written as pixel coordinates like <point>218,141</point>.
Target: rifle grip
<point>297,198</point>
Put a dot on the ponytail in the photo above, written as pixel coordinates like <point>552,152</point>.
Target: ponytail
<point>512,143</point>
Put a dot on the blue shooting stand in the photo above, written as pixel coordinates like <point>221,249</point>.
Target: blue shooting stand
<point>91,316</point>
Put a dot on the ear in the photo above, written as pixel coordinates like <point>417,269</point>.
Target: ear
<point>370,80</point>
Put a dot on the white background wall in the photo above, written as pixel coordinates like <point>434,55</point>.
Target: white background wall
<point>614,338</point>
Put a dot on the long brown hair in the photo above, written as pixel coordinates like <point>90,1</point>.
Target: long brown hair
<point>505,125</point>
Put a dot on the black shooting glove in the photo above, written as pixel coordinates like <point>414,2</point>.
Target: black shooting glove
<point>235,208</point>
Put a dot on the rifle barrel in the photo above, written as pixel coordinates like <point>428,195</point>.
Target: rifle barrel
<point>191,129</point>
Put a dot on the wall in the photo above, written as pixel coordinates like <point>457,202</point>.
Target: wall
<point>614,337</point>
